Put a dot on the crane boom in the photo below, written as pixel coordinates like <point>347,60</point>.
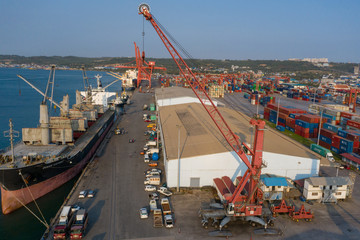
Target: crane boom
<point>249,204</point>
<point>39,91</point>
<point>201,93</point>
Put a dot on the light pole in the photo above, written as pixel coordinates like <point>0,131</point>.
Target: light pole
<point>318,140</point>
<point>178,176</point>
<point>277,117</point>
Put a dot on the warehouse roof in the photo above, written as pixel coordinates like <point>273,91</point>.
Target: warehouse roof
<point>173,92</point>
<point>327,181</point>
<point>200,136</point>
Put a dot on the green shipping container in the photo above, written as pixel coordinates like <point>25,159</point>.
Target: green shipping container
<point>152,108</point>
<point>319,149</point>
<point>153,117</point>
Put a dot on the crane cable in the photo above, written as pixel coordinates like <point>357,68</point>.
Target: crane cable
<point>37,206</point>
<point>182,49</point>
<point>44,223</point>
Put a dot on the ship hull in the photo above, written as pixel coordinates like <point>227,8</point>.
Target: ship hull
<point>13,198</point>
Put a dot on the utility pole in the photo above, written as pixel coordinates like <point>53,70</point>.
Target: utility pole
<point>178,177</point>
<point>11,134</point>
<point>277,117</point>
<point>321,115</point>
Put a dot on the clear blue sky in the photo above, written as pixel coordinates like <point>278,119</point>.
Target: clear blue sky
<point>256,29</point>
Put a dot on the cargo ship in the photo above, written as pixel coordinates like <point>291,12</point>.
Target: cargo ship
<point>53,153</point>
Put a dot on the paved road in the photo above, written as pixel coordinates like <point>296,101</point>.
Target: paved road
<point>117,175</point>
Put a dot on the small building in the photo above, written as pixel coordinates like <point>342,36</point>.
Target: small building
<point>326,189</point>
<point>351,158</point>
<point>273,187</point>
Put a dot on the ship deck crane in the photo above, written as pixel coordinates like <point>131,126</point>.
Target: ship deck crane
<point>238,204</point>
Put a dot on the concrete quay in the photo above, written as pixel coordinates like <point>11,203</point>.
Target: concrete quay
<point>117,176</point>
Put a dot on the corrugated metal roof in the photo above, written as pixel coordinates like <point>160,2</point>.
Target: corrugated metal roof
<point>229,184</point>
<point>200,136</point>
<point>327,181</point>
<point>278,181</point>
<point>351,157</point>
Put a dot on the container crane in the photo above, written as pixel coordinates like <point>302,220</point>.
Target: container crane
<point>246,200</point>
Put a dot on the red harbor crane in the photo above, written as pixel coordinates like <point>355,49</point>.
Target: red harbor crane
<point>246,198</point>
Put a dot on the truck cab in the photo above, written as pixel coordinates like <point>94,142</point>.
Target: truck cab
<point>79,226</point>
<point>65,221</point>
<point>330,157</point>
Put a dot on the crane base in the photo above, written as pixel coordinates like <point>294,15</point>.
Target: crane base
<point>268,231</point>
<point>224,233</point>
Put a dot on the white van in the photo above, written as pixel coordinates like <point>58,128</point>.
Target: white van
<point>152,150</point>
<point>146,158</point>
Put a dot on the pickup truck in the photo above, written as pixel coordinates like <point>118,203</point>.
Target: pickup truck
<point>152,180</point>
<point>169,223</point>
<point>165,191</point>
<point>153,205</point>
<point>158,218</point>
<point>165,205</point>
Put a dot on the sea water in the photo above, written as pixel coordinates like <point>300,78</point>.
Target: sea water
<point>21,103</point>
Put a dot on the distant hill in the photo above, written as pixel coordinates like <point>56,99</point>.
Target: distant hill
<point>301,69</point>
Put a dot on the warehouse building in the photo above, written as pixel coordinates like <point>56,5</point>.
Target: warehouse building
<point>204,153</point>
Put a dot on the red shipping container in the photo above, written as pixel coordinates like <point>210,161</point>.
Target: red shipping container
<point>281,124</point>
<point>346,115</point>
<point>353,124</point>
<point>336,144</point>
<point>356,144</point>
<point>353,137</point>
<point>326,133</point>
<point>310,118</point>
<point>324,144</point>
<point>297,131</point>
<point>283,116</point>
<point>305,130</point>
<point>305,135</point>
<point>272,106</point>
<point>266,110</point>
<point>335,141</point>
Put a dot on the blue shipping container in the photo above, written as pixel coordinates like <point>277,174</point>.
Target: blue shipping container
<point>292,129</point>
<point>342,133</point>
<point>280,128</point>
<point>301,123</point>
<point>329,116</point>
<point>331,127</point>
<point>346,149</point>
<point>335,150</point>
<point>325,139</point>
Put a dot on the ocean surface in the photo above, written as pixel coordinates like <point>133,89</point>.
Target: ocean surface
<point>21,103</point>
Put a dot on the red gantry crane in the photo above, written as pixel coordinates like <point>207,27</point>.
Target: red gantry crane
<point>246,199</point>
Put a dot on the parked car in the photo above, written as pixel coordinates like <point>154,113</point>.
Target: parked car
<point>154,196</point>
<point>150,188</point>
<point>74,208</point>
<point>165,191</point>
<point>150,174</point>
<point>83,194</point>
<point>153,164</point>
<point>152,170</point>
<point>146,158</point>
<point>91,194</point>
<point>143,213</point>
<point>117,131</point>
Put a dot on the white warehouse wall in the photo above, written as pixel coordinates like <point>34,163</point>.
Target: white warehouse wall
<point>208,167</point>
<point>179,100</point>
